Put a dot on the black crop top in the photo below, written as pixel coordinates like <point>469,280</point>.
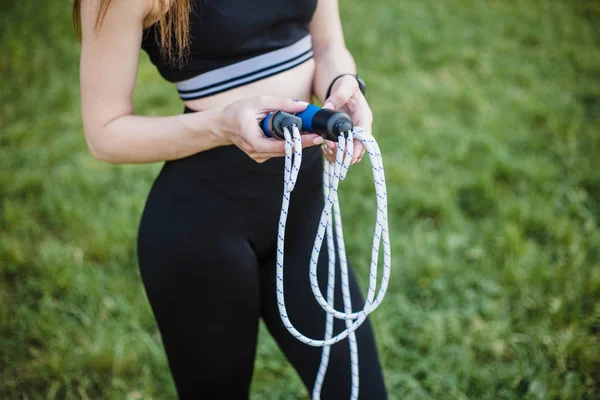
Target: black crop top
<point>225,32</point>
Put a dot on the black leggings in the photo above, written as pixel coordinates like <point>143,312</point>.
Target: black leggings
<point>206,249</point>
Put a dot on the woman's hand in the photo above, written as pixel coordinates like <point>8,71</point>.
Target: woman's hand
<point>241,127</point>
<point>347,97</point>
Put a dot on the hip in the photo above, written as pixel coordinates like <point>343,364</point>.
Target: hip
<point>222,193</point>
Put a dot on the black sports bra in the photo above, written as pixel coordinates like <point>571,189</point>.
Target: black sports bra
<point>235,42</point>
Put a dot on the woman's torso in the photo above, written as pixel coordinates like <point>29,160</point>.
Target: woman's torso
<point>295,84</point>
<point>225,32</point>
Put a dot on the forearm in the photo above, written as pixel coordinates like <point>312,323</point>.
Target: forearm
<point>140,139</point>
<point>330,62</point>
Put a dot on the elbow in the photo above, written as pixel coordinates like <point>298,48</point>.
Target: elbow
<point>99,148</point>
<point>104,138</point>
<point>100,155</point>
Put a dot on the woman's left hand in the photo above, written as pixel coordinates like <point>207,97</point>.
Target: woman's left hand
<point>347,97</point>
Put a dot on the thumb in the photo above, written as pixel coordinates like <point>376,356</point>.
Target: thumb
<point>342,92</point>
<point>293,106</point>
<point>273,103</point>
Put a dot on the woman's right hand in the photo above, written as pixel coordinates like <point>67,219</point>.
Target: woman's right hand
<point>240,126</point>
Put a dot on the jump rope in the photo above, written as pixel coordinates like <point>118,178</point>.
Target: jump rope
<point>335,126</point>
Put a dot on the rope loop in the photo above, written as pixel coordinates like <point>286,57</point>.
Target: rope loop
<point>330,228</point>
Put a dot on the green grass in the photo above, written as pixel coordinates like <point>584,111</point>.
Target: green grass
<point>488,114</point>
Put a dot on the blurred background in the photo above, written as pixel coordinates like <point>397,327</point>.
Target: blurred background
<point>488,116</point>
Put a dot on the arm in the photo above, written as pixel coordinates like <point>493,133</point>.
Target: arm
<point>109,62</point>
<point>332,58</point>
<point>108,69</point>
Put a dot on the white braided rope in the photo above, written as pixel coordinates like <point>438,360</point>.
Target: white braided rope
<point>332,174</point>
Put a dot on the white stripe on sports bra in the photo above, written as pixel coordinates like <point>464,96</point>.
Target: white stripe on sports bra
<point>247,71</point>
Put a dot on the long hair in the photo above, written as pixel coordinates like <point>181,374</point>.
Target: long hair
<point>173,25</point>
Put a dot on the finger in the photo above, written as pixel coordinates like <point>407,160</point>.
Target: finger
<point>342,91</point>
<point>362,154</point>
<point>364,122</point>
<point>311,140</point>
<point>326,150</point>
<point>274,103</point>
<point>363,116</point>
<point>262,157</point>
<point>316,139</point>
<point>359,150</point>
<point>330,156</point>
<point>360,157</point>
<point>330,144</point>
<point>267,145</point>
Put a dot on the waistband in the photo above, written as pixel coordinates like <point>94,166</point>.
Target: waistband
<point>247,71</point>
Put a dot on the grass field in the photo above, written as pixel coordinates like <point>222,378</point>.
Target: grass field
<point>488,115</point>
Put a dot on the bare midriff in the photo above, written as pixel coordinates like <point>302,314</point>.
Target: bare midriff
<point>295,83</point>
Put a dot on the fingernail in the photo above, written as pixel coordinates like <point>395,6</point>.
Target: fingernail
<point>330,144</point>
<point>328,105</point>
<point>318,140</point>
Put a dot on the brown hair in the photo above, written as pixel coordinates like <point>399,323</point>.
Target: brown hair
<point>173,18</point>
